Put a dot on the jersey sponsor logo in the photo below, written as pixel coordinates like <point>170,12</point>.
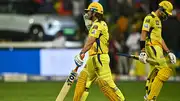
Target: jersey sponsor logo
<point>95,27</point>
<point>147,20</point>
<point>146,26</point>
<point>71,78</point>
<point>93,31</point>
<point>157,22</point>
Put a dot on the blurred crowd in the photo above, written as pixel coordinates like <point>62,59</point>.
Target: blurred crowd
<point>124,19</point>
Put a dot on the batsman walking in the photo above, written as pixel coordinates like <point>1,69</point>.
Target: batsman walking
<point>152,45</point>
<point>97,66</point>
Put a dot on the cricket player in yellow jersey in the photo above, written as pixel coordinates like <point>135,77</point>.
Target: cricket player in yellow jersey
<point>97,66</point>
<point>152,46</point>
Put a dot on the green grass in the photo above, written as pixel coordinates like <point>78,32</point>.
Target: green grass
<point>47,91</point>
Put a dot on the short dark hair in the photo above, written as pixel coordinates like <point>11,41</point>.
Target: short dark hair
<point>100,17</point>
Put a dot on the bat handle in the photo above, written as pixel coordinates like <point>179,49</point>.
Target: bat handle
<point>82,57</point>
<point>76,69</point>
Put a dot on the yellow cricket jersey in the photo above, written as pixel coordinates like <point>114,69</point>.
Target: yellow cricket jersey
<point>99,30</point>
<point>152,24</point>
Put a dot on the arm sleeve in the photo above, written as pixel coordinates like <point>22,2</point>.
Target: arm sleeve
<point>147,23</point>
<point>95,31</point>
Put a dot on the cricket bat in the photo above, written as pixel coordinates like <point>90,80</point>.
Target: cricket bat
<point>149,60</point>
<point>67,85</point>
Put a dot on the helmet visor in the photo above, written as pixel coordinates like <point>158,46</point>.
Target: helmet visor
<point>164,16</point>
<point>91,9</point>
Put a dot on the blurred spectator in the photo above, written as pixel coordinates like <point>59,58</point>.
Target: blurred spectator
<point>120,29</point>
<point>64,7</point>
<point>46,7</point>
<point>36,4</point>
<point>132,43</point>
<point>113,49</point>
<point>118,34</point>
<point>133,40</point>
<point>120,8</point>
<point>78,11</point>
<point>78,7</point>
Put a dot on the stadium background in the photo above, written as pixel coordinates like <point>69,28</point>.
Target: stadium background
<point>36,70</point>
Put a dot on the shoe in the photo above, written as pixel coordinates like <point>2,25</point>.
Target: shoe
<point>145,97</point>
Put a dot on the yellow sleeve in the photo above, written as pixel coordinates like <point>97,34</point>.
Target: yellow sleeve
<point>95,30</point>
<point>147,23</point>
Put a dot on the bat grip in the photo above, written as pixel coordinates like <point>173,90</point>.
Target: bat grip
<point>135,57</point>
<point>76,69</point>
<point>82,57</point>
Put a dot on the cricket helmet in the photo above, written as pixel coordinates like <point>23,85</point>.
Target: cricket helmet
<point>95,7</point>
<point>166,6</point>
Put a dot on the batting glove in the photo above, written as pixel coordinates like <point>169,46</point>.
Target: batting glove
<point>78,59</point>
<point>88,22</point>
<point>143,57</point>
<point>172,57</point>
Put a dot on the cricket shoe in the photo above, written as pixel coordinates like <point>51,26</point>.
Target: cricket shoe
<point>145,98</point>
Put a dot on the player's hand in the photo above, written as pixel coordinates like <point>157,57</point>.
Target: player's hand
<point>88,22</point>
<point>78,59</point>
<point>172,57</point>
<point>143,57</point>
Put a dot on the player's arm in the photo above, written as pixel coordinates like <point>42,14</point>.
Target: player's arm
<point>88,44</point>
<point>93,34</point>
<point>171,55</point>
<point>164,46</point>
<point>79,58</point>
<point>145,29</point>
<point>142,40</point>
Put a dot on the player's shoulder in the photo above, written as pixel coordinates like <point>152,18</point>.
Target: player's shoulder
<point>150,16</point>
<point>96,25</point>
<point>103,23</point>
<point>100,23</point>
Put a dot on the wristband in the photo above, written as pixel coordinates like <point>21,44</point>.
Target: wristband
<point>142,45</point>
<point>82,55</point>
<point>82,52</point>
<point>168,51</point>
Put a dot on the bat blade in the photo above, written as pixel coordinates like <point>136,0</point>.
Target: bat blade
<point>149,60</point>
<point>67,85</point>
<point>128,56</point>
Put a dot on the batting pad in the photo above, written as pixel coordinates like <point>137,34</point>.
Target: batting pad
<point>107,90</point>
<point>84,96</point>
<point>80,86</point>
<point>164,73</point>
<point>150,79</point>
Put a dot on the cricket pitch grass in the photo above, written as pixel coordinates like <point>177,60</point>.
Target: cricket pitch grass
<point>47,91</point>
